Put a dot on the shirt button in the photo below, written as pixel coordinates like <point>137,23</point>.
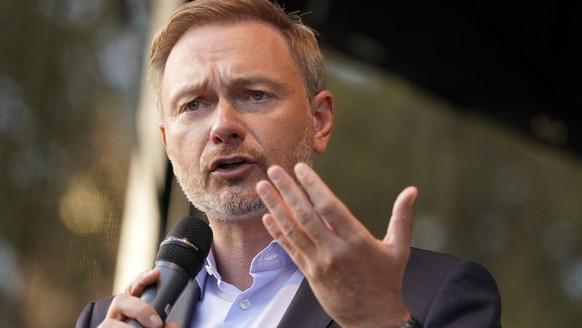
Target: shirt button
<point>244,304</point>
<point>271,257</point>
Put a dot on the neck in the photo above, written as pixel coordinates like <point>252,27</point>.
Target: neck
<point>234,246</point>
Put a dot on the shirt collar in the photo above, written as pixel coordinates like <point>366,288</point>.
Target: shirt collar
<point>272,257</point>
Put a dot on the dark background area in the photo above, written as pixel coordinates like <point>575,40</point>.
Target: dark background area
<point>513,61</point>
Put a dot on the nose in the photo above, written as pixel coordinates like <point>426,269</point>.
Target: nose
<point>227,126</point>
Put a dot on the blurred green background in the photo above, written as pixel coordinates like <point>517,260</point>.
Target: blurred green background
<point>70,75</point>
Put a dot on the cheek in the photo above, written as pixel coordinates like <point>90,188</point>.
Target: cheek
<point>182,146</point>
<point>284,134</point>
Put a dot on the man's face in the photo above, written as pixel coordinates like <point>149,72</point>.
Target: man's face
<point>234,104</point>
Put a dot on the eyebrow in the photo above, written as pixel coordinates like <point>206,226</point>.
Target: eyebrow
<point>280,86</point>
<point>181,93</point>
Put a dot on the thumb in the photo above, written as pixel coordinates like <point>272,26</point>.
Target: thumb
<point>399,232</point>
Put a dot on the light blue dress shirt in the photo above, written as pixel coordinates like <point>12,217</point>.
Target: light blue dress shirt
<point>276,280</point>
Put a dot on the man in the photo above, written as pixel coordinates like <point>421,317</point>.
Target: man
<point>241,87</point>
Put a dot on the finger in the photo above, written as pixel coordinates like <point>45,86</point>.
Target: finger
<point>301,207</point>
<point>124,307</point>
<point>273,229</point>
<point>143,279</point>
<point>286,226</point>
<point>399,233</point>
<point>291,248</point>
<point>332,210</point>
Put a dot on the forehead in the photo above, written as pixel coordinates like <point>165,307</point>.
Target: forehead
<point>217,54</point>
<point>220,44</point>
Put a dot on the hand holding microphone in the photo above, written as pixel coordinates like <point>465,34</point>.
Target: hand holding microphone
<point>180,256</point>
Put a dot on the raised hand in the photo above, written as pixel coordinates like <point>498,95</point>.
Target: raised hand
<point>356,277</point>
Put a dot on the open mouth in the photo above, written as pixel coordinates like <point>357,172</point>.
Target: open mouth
<point>230,164</point>
<point>232,167</point>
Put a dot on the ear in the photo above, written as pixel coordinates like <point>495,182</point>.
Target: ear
<point>163,131</point>
<point>323,115</point>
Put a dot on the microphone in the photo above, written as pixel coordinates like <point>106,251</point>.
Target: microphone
<point>180,256</point>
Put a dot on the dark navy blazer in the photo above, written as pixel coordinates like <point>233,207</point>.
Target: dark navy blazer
<point>440,290</point>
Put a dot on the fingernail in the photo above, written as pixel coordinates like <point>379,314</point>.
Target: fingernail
<point>300,170</point>
<point>268,221</point>
<point>276,175</point>
<point>155,321</point>
<point>262,190</point>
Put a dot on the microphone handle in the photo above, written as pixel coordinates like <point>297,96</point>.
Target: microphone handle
<point>163,293</point>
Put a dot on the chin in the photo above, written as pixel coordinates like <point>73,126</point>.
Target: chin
<point>233,206</point>
<point>236,216</point>
<point>230,217</point>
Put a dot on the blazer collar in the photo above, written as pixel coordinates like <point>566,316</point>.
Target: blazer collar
<point>184,308</point>
<point>304,310</point>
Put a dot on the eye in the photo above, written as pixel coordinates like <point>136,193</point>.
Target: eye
<point>258,95</point>
<point>193,105</point>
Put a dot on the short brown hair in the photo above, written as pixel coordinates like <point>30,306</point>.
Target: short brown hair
<point>302,40</point>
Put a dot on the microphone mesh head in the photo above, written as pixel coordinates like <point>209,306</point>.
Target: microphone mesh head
<point>187,245</point>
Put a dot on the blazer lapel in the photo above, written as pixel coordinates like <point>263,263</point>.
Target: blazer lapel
<point>183,309</point>
<point>304,310</point>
